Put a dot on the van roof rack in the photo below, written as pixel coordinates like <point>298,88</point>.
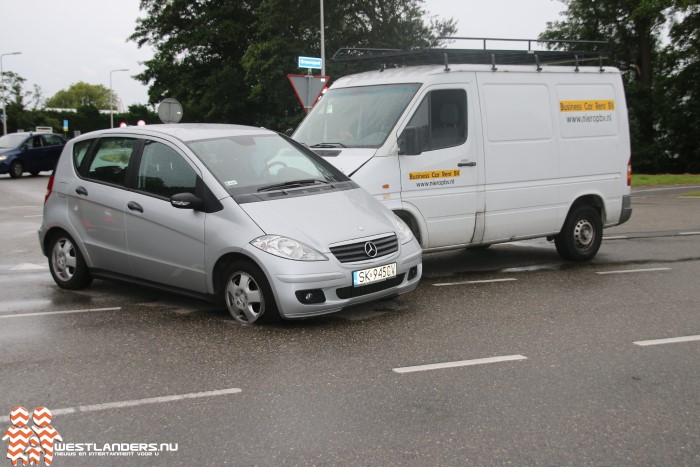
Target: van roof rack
<point>443,56</point>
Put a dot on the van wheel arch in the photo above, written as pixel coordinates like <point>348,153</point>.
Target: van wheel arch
<point>582,233</point>
<point>411,222</point>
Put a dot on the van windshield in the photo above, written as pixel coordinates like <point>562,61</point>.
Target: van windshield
<point>359,117</point>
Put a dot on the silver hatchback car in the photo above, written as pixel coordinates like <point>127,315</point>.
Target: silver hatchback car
<point>240,215</point>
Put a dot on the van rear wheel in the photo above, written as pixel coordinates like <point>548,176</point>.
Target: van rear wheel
<point>580,238</point>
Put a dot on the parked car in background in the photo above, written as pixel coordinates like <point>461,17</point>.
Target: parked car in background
<point>241,215</point>
<point>31,152</point>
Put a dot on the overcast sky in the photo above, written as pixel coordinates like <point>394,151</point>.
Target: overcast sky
<point>64,42</point>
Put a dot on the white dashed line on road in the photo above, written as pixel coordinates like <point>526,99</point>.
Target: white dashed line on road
<point>688,233</point>
<point>487,281</point>
<point>671,340</point>
<point>478,361</point>
<point>137,402</point>
<point>628,271</point>
<point>65,312</point>
<point>616,237</point>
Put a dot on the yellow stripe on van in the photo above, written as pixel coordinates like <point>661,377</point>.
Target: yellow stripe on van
<point>587,106</point>
<point>433,174</point>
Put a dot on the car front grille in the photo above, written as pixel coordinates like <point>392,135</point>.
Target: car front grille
<point>358,251</point>
<point>352,292</point>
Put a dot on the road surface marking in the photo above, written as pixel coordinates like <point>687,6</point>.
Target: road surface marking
<point>688,233</point>
<point>478,361</point>
<point>633,270</point>
<point>29,267</point>
<point>671,340</point>
<point>680,187</point>
<point>616,237</point>
<point>137,402</point>
<point>35,215</point>
<point>65,312</point>
<point>488,281</point>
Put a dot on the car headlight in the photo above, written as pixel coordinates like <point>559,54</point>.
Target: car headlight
<point>2,158</point>
<point>405,234</point>
<point>287,248</point>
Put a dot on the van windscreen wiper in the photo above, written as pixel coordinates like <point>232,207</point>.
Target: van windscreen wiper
<point>293,184</point>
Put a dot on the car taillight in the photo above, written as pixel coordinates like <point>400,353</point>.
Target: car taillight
<point>629,172</point>
<point>49,188</point>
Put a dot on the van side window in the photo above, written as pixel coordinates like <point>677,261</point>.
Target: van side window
<point>442,117</point>
<point>163,172</point>
<point>111,160</point>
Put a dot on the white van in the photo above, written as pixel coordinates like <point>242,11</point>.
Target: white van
<point>472,154</point>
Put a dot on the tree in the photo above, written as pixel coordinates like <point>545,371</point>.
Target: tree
<point>634,31</point>
<point>82,94</point>
<point>679,120</point>
<point>227,60</point>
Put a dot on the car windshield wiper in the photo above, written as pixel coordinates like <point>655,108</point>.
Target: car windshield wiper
<point>328,145</point>
<point>293,184</point>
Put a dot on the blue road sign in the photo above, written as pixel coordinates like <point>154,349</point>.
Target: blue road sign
<point>310,62</point>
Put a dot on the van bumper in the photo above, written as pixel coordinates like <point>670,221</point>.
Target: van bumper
<point>626,212</point>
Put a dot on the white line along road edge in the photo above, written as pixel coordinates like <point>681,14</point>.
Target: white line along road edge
<point>478,361</point>
<point>628,271</point>
<point>65,312</point>
<point>670,340</point>
<point>136,402</point>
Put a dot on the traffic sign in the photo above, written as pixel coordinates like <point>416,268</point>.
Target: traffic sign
<point>308,88</point>
<point>310,62</point>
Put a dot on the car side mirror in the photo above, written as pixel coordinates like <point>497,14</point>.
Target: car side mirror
<point>186,201</point>
<point>411,141</point>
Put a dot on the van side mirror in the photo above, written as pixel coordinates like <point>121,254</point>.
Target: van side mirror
<point>411,141</point>
<point>186,201</point>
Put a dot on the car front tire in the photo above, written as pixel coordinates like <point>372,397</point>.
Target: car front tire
<point>66,263</point>
<point>247,294</point>
<point>16,169</point>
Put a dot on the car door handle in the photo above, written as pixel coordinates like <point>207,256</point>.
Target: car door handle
<point>81,191</point>
<point>134,206</point>
<point>466,164</point>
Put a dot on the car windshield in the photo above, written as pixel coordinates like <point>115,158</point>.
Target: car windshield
<point>259,163</point>
<point>11,141</point>
<point>359,117</point>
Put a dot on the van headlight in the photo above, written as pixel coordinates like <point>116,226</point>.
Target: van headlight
<point>405,234</point>
<point>287,248</point>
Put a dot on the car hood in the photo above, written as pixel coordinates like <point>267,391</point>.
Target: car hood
<point>320,220</point>
<point>348,160</point>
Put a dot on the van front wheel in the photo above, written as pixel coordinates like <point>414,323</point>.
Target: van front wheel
<point>580,238</point>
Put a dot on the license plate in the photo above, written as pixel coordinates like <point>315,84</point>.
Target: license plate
<point>371,275</point>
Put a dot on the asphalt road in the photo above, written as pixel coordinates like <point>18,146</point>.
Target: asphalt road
<point>532,360</point>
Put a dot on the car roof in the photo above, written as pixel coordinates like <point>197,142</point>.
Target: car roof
<point>183,131</point>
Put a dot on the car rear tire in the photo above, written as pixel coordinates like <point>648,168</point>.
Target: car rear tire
<point>247,294</point>
<point>66,263</point>
<point>580,238</point>
<point>16,169</point>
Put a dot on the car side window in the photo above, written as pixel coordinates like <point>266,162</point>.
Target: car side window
<point>164,172</point>
<point>36,142</point>
<point>442,117</point>
<point>80,149</point>
<point>51,140</point>
<point>111,160</point>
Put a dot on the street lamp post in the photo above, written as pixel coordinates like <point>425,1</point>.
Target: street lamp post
<point>323,44</point>
<point>111,99</point>
<point>4,115</point>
